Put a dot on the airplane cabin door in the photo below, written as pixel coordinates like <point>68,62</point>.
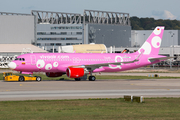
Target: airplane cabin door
<point>33,60</point>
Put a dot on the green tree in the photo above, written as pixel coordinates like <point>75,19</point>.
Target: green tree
<point>151,23</point>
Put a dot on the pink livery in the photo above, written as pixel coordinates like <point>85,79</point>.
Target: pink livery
<point>76,65</point>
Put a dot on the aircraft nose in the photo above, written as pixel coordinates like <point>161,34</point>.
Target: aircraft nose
<point>12,65</point>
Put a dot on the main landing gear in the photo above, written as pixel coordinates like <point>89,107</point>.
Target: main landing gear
<point>91,78</point>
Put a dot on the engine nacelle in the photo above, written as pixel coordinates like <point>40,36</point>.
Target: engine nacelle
<point>75,72</point>
<point>54,74</point>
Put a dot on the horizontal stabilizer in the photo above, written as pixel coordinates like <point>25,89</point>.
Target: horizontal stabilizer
<point>160,58</point>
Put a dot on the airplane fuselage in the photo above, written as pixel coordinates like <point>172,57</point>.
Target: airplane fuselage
<point>59,62</point>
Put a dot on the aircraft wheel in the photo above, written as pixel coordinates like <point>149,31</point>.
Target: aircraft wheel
<point>21,78</point>
<point>77,79</point>
<point>92,78</point>
<point>38,78</point>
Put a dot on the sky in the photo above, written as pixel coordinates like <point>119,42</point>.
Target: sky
<point>158,9</point>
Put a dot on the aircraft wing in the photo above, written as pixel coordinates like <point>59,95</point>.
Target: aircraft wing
<point>160,58</point>
<point>94,66</point>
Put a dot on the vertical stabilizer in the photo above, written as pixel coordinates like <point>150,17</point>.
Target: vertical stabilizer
<point>153,43</point>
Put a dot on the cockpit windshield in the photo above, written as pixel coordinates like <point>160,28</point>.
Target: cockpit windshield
<point>20,59</point>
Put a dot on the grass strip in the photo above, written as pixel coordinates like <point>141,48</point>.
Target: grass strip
<point>88,109</point>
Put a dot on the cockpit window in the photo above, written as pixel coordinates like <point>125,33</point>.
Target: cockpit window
<point>20,59</point>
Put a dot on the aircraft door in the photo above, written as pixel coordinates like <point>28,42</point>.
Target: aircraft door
<point>33,60</point>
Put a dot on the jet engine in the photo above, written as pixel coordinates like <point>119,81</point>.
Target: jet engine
<point>54,74</point>
<point>75,72</point>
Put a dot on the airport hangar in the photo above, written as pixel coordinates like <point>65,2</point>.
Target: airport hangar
<point>52,30</point>
<point>47,29</point>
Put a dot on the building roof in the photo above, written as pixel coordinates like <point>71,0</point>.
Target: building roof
<point>14,48</point>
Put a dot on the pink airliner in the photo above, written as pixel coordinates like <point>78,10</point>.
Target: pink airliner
<point>76,65</point>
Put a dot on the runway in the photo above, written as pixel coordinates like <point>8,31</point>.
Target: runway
<point>79,94</point>
<point>46,90</point>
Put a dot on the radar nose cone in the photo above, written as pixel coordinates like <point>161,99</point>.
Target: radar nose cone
<point>12,65</point>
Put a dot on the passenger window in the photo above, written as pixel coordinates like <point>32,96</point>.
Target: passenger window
<point>23,59</point>
<point>20,59</point>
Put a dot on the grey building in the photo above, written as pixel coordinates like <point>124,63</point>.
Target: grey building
<point>49,30</point>
<point>56,29</point>
<point>109,28</point>
<point>17,36</point>
<point>110,35</point>
<point>170,37</point>
<point>16,28</point>
<point>58,35</point>
<point>170,45</point>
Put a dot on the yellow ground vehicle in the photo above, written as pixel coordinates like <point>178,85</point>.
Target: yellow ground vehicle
<point>8,76</point>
